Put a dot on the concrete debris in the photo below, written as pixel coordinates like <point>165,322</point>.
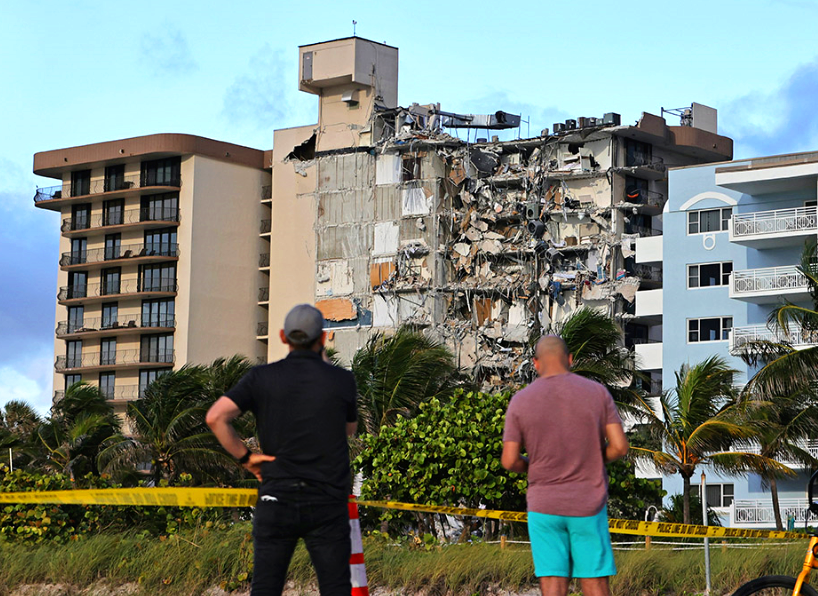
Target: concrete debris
<point>524,232</point>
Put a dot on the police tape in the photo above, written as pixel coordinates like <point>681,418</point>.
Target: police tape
<point>246,497</point>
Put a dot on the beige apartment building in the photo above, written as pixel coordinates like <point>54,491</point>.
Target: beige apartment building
<point>158,250</point>
<point>177,249</point>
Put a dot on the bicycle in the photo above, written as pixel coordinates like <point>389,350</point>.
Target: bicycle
<point>784,585</point>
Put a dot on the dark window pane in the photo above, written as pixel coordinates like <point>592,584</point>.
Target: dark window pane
<point>710,275</point>
<point>710,221</point>
<point>710,329</point>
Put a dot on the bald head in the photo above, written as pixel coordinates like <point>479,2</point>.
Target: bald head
<point>552,357</point>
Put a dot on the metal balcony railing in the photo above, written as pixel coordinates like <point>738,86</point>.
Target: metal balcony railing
<point>125,392</point>
<point>118,218</point>
<point>801,219</point>
<point>263,294</point>
<point>769,279</point>
<point>266,226</point>
<point>264,259</point>
<point>119,357</point>
<point>751,333</point>
<point>266,192</point>
<point>648,272</point>
<point>759,512</point>
<point>118,322</point>
<point>128,286</point>
<point>99,255</point>
<point>647,198</point>
<point>109,184</point>
<point>642,230</point>
<point>261,329</point>
<point>808,445</point>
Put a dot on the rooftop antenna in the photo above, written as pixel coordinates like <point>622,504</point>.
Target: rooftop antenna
<point>353,28</point>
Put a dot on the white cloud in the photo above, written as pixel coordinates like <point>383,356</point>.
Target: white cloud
<point>29,381</point>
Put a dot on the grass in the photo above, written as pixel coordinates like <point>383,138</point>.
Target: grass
<point>189,564</point>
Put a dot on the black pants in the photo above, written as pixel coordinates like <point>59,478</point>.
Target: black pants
<point>283,516</point>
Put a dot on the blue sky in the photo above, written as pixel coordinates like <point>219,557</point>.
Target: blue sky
<point>86,72</point>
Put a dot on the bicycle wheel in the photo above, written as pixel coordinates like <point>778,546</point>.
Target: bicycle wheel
<point>773,585</point>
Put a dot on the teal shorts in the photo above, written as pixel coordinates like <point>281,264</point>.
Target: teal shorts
<point>565,546</point>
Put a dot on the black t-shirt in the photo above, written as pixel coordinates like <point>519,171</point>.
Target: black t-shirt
<point>302,405</point>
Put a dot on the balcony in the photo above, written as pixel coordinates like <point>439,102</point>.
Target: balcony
<point>773,229</point>
<point>100,292</point>
<point>266,193</point>
<point>147,217</point>
<point>649,305</point>
<point>264,260</point>
<point>121,325</point>
<point>265,227</point>
<point>797,338</point>
<point>649,249</point>
<point>120,359</point>
<point>758,513</point>
<point>264,294</point>
<point>53,197</point>
<point>651,275</point>
<point>768,285</point>
<point>648,355</point>
<point>643,201</point>
<point>262,329</point>
<point>156,251</point>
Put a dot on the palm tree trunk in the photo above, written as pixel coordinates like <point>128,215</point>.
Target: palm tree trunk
<point>686,498</point>
<point>776,507</point>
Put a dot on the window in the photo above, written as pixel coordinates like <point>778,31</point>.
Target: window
<point>410,168</point>
<point>161,242</point>
<point>110,315</point>
<point>718,495</point>
<point>161,172</point>
<point>164,207</point>
<point>75,318</point>
<point>110,281</point>
<point>113,243</point>
<point>112,212</point>
<point>81,216</point>
<point>158,313</point>
<point>77,284</point>
<point>157,278</point>
<point>114,178</point>
<point>107,382</point>
<point>637,153</point>
<point>80,183</point>
<point>79,251</point>
<point>107,351</point>
<point>709,274</point>
<point>157,348</point>
<point>146,377</point>
<point>709,220</point>
<point>713,329</point>
<point>73,354</point>
<point>72,379</point>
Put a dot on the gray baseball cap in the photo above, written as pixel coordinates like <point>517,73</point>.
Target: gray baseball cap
<point>303,324</point>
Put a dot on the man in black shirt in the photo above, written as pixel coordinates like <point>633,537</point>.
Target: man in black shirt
<point>305,408</point>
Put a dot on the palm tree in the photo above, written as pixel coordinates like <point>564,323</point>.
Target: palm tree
<point>396,373</point>
<point>168,432</point>
<point>18,428</point>
<point>698,423</point>
<point>595,340</point>
<point>78,425</point>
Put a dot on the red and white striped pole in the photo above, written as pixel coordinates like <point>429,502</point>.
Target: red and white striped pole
<point>356,558</point>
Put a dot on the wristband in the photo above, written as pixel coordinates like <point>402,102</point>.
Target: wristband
<point>244,458</point>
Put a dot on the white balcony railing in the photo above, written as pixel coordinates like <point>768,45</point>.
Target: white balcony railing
<point>808,445</point>
<point>797,337</point>
<point>755,513</point>
<point>747,282</point>
<point>777,221</point>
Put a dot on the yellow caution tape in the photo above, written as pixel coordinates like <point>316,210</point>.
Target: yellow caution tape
<point>150,497</point>
<point>617,526</point>
<point>246,497</point>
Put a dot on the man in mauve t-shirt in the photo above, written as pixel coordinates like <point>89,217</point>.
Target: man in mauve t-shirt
<point>570,429</point>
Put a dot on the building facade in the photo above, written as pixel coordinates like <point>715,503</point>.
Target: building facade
<point>157,262</point>
<point>733,237</point>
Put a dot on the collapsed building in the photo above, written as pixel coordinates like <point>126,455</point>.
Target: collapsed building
<point>380,215</point>
<point>483,243</point>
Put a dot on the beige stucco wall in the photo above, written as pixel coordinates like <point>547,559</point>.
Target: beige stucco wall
<point>292,242</point>
<point>217,306</point>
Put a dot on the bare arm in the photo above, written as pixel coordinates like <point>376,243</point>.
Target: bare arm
<point>352,428</point>
<point>219,418</point>
<point>511,458</point>
<point>617,446</point>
